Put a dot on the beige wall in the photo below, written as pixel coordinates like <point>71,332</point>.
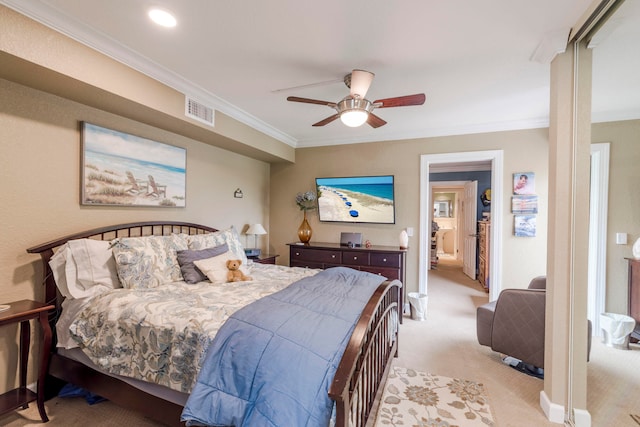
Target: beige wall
<point>624,204</point>
<point>524,151</point>
<point>40,174</point>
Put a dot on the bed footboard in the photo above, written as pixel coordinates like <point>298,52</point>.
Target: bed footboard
<point>367,358</point>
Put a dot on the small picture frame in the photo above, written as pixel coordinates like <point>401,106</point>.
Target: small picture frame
<point>524,225</point>
<point>526,204</point>
<point>524,183</point>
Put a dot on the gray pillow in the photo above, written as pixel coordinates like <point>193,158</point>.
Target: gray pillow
<point>190,272</point>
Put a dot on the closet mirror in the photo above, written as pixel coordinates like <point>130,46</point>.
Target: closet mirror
<point>615,128</point>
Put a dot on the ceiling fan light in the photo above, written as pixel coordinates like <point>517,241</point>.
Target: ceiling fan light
<point>354,118</point>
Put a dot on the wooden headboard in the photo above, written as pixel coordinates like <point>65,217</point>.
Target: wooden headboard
<point>135,229</point>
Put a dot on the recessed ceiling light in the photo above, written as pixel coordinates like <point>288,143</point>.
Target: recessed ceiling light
<point>162,17</point>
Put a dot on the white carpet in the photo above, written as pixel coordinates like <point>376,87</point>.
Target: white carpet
<point>414,398</point>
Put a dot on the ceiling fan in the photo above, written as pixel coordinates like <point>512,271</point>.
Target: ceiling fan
<point>354,109</point>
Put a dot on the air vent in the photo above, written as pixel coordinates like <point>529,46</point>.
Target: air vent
<point>198,111</point>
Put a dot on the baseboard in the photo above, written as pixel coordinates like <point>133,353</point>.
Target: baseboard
<point>553,411</point>
<point>582,418</point>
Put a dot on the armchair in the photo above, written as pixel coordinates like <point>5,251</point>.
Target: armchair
<point>514,323</point>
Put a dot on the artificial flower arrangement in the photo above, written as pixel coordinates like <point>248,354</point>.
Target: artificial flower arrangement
<point>306,201</point>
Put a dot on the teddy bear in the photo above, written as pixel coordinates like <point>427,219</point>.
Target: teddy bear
<point>234,274</point>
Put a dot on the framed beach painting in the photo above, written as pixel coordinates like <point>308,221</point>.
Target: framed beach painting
<point>119,169</point>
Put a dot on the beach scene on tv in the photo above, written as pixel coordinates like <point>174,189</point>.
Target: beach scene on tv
<point>356,199</point>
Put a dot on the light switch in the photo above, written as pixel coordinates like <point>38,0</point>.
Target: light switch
<point>621,238</point>
<point>410,231</point>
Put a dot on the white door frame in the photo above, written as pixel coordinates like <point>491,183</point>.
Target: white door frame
<point>497,183</point>
<point>598,214</point>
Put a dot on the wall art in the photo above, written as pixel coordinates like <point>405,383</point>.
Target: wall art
<point>119,169</point>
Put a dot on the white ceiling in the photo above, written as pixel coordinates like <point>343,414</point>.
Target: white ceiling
<point>472,59</point>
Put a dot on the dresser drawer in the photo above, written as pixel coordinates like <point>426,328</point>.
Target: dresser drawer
<point>389,273</point>
<point>385,260</point>
<point>316,255</point>
<point>355,258</point>
<point>482,250</point>
<point>306,264</point>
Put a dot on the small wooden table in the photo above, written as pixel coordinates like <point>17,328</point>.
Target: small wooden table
<point>265,258</point>
<point>23,311</point>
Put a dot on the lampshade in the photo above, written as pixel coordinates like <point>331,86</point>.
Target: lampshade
<point>256,229</point>
<point>354,118</point>
<point>354,112</point>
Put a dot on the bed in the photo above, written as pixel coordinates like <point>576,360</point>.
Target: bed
<point>358,378</point>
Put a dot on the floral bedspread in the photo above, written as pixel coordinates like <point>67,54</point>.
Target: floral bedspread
<point>161,335</point>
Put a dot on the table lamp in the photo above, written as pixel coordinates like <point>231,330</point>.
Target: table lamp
<point>255,229</point>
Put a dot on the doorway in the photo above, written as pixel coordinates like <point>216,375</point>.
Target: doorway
<point>428,161</point>
<point>447,214</point>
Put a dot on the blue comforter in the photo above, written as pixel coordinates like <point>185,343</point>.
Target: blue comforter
<point>272,362</point>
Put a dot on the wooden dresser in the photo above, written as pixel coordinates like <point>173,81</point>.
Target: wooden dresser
<point>387,261</point>
<point>484,245</point>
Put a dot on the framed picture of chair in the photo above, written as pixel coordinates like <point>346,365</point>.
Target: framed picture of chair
<point>119,169</point>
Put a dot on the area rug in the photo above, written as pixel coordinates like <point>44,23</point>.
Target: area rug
<point>420,399</point>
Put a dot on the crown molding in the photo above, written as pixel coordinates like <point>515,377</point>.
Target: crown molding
<point>538,123</point>
<point>88,36</point>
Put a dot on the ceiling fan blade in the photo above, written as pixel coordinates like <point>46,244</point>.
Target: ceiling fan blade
<point>400,101</point>
<point>311,101</point>
<point>327,120</point>
<point>375,121</point>
<point>360,82</point>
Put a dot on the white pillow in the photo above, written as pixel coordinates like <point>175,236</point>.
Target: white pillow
<point>209,240</point>
<point>215,268</point>
<point>94,263</point>
<point>84,268</point>
<point>58,263</point>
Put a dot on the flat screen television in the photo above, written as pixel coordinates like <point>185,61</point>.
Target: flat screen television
<point>364,199</point>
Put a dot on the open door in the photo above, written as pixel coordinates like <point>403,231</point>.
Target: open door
<point>470,230</point>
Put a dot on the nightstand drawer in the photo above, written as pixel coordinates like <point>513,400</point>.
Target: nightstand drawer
<point>385,260</point>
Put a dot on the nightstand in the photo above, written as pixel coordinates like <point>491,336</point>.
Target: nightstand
<point>21,312</point>
<point>265,258</point>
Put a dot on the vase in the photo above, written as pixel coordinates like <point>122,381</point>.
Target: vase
<point>304,231</point>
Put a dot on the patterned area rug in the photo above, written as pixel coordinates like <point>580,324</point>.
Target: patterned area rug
<point>419,399</point>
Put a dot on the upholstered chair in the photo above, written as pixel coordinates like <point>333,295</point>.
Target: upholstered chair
<point>514,324</point>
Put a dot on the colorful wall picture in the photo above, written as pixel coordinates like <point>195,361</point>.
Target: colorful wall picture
<point>119,169</point>
<point>524,226</point>
<point>524,183</point>
<point>526,204</point>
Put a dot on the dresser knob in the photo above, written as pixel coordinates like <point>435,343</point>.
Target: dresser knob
<point>333,256</point>
<point>384,260</point>
<point>355,258</point>
<point>297,253</point>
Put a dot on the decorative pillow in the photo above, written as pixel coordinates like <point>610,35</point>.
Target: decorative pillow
<point>84,267</point>
<point>190,272</point>
<point>216,267</point>
<point>229,236</point>
<point>148,262</point>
